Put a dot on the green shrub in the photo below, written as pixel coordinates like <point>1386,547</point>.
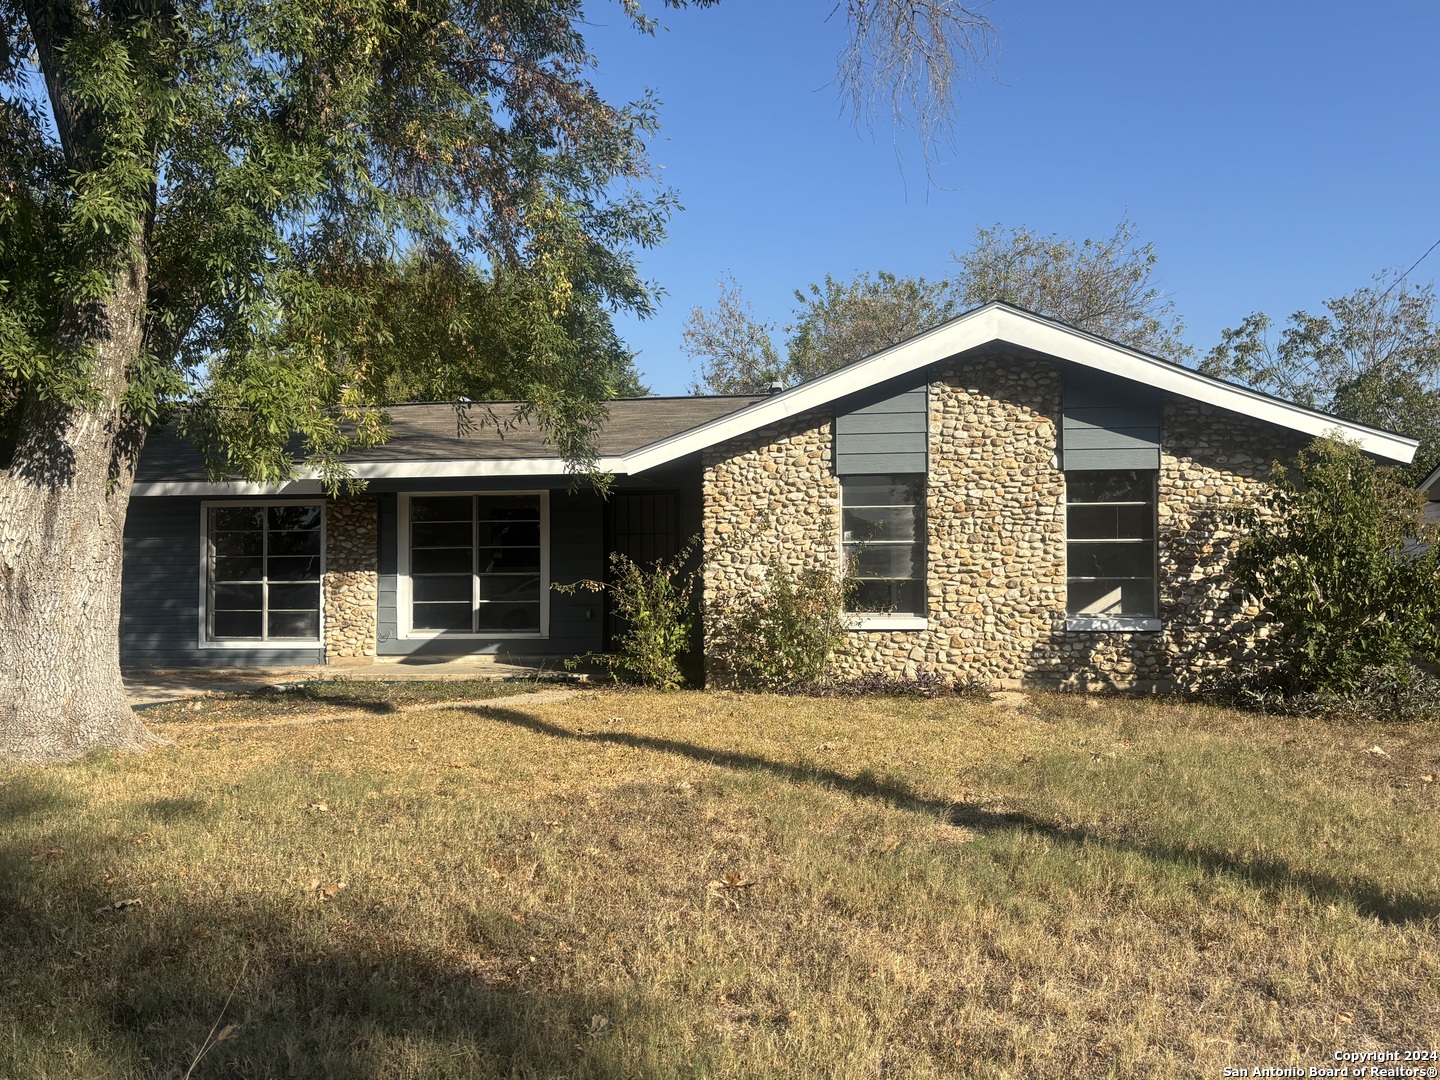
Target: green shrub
<point>652,604</point>
<point>1331,557</point>
<point>786,636</point>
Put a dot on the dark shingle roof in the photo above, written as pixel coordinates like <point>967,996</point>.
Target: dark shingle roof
<point>432,432</point>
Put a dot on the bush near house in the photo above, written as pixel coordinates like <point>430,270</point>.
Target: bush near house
<point>1348,576</point>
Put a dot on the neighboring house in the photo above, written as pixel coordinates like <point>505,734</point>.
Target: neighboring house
<point>1022,502</point>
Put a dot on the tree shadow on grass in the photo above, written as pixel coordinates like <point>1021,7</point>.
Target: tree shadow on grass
<point>1368,897</point>
<point>318,986</point>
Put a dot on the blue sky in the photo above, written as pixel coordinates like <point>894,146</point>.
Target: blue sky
<point>1276,153</point>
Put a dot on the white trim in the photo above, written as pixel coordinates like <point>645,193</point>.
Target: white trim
<point>308,484</point>
<point>404,614</point>
<point>1427,483</point>
<point>278,644</point>
<point>886,622</point>
<point>993,324</point>
<point>999,324</point>
<point>1112,623</point>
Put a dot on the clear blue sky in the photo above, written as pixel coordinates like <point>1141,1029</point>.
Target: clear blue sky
<point>1276,153</point>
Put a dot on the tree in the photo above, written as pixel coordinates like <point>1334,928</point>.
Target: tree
<point>1325,553</point>
<point>1373,358</point>
<point>1104,286</point>
<point>834,324</point>
<point>841,322</point>
<point>206,204</point>
<point>734,350</point>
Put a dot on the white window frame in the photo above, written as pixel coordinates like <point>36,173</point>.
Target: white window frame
<point>404,589</point>
<point>206,555</point>
<point>885,621</point>
<point>1112,624</point>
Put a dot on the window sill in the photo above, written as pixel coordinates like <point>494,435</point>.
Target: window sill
<point>256,643</point>
<point>886,622</point>
<point>448,635</point>
<point>1112,623</point>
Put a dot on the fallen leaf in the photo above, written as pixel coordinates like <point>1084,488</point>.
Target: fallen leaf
<point>120,905</point>
<point>226,1032</point>
<point>598,1024</point>
<point>1428,778</point>
<point>319,807</point>
<point>1344,1018</point>
<point>1377,752</point>
<point>733,879</point>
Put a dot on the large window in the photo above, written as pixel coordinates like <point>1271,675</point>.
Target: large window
<point>263,573</point>
<point>883,532</point>
<point>1110,527</point>
<point>476,564</point>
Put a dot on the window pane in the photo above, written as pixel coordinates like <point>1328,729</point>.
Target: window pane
<point>448,509</point>
<point>507,587</point>
<point>884,560</point>
<point>511,618</point>
<point>235,624</point>
<point>239,543</point>
<point>247,568</point>
<point>235,517</point>
<point>454,588</point>
<point>1130,485</point>
<point>442,616</point>
<point>1112,560</point>
<point>441,561</point>
<point>238,597</point>
<point>526,533</point>
<point>295,624</point>
<point>882,490</point>
<point>1111,523</point>
<point>295,543</point>
<point>886,596</point>
<point>294,597</point>
<point>441,534</point>
<point>1112,596</point>
<point>880,523</point>
<point>508,559</point>
<point>508,507</point>
<point>293,568</point>
<point>294,517</point>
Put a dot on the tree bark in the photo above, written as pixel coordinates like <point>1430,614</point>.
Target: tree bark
<point>62,520</point>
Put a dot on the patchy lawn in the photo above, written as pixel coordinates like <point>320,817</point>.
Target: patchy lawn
<point>622,885</point>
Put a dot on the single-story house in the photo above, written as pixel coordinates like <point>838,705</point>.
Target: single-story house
<point>1023,502</point>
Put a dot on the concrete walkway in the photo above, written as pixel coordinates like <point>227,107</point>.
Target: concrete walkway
<point>151,687</point>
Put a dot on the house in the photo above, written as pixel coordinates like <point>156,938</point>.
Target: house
<point>1023,502</point>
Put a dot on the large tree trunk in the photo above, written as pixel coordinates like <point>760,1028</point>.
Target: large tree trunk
<point>62,519</point>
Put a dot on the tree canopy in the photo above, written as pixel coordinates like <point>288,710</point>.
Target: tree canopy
<point>1373,357</point>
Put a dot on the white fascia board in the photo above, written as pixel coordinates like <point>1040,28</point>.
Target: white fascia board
<point>996,324</point>
<point>1428,483</point>
<point>959,335</point>
<point>308,484</point>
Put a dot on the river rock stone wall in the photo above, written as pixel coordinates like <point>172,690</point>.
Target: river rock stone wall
<point>995,509</point>
<point>352,580</point>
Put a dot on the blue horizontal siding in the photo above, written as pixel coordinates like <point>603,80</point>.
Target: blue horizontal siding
<point>1108,423</point>
<point>888,435</point>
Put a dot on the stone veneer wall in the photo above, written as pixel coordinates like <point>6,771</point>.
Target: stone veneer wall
<point>352,579</point>
<point>995,512</point>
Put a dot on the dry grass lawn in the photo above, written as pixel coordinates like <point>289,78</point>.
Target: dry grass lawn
<point>614,885</point>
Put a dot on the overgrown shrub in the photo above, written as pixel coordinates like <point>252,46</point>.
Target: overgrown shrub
<point>786,636</point>
<point>1331,555</point>
<point>1405,694</point>
<point>652,605</point>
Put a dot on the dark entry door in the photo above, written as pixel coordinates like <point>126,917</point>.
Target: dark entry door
<point>642,526</point>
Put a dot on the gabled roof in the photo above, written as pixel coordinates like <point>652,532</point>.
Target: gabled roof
<point>643,433</point>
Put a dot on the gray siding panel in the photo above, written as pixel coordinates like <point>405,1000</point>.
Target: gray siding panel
<point>1109,423</point>
<point>160,594</point>
<point>882,436</point>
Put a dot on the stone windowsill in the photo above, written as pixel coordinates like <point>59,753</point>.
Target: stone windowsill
<point>1112,623</point>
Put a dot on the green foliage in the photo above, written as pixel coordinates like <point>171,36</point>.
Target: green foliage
<point>786,636</point>
<point>1104,286</point>
<point>1374,358</point>
<point>652,604</point>
<point>305,191</point>
<point>1325,554</point>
